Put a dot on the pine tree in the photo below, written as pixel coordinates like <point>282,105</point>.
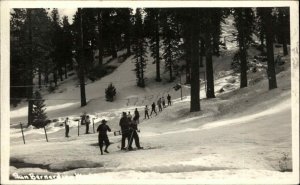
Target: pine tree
<point>244,19</point>
<point>195,87</point>
<point>268,26</point>
<point>139,49</point>
<point>171,39</point>
<point>67,44</point>
<point>152,23</point>
<point>283,27</point>
<point>110,92</point>
<point>81,60</point>
<point>39,116</point>
<point>209,39</point>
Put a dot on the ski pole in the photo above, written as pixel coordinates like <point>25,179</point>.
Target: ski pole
<point>22,133</point>
<point>46,134</point>
<point>130,140</point>
<point>78,127</point>
<point>93,125</point>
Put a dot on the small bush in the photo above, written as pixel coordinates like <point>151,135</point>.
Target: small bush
<point>283,163</point>
<point>110,92</point>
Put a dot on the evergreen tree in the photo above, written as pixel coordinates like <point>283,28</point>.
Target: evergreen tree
<point>30,49</point>
<point>244,19</point>
<point>110,92</point>
<point>171,40</point>
<point>195,87</point>
<point>57,46</point>
<point>139,49</point>
<point>125,26</point>
<point>100,43</point>
<point>39,116</point>
<point>81,60</point>
<point>152,23</point>
<point>268,26</point>
<point>283,27</point>
<point>259,29</point>
<point>67,44</point>
<point>209,29</point>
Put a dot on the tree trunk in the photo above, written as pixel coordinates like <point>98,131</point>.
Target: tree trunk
<point>60,72</point>
<point>113,49</point>
<point>195,87</point>
<point>285,49</point>
<point>30,68</point>
<point>202,52</point>
<point>270,52</point>
<point>66,71</point>
<point>40,78</point>
<point>243,58</point>
<point>81,66</point>
<point>55,77</point>
<point>100,39</point>
<point>171,71</point>
<point>158,79</point>
<point>261,42</point>
<point>210,92</point>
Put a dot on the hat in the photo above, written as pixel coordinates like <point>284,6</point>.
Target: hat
<point>103,121</point>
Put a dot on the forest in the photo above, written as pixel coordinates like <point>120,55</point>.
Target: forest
<point>44,46</point>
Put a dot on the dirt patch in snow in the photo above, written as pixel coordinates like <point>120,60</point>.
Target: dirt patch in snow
<point>18,163</point>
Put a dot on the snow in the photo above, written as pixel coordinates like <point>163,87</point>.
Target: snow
<point>241,134</point>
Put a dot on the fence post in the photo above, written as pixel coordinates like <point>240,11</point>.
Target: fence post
<point>94,125</point>
<point>22,133</point>
<point>78,127</point>
<point>46,134</point>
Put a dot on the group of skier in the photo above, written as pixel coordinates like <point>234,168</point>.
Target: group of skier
<point>85,120</point>
<point>161,103</point>
<point>128,124</point>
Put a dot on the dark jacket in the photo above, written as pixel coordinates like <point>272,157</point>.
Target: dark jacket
<point>124,123</point>
<point>136,114</point>
<point>133,125</point>
<point>102,129</point>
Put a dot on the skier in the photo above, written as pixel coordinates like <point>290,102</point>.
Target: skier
<point>153,109</point>
<point>129,116</point>
<point>136,116</point>
<point>124,124</point>
<point>159,105</point>
<point>87,124</point>
<point>102,137</point>
<point>146,111</point>
<point>163,102</point>
<point>134,135</point>
<point>67,127</point>
<point>83,118</point>
<point>169,100</point>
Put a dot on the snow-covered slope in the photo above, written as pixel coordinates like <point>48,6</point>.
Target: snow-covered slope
<point>241,134</point>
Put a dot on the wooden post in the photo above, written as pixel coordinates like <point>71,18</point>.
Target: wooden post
<point>46,134</point>
<point>78,127</point>
<point>180,87</point>
<point>93,125</point>
<point>22,133</point>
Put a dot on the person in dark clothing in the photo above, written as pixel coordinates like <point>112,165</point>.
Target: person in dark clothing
<point>102,137</point>
<point>67,127</point>
<point>136,116</point>
<point>169,100</point>
<point>159,105</point>
<point>87,124</point>
<point>133,135</point>
<point>153,109</point>
<point>147,112</point>
<point>163,102</point>
<point>124,124</point>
